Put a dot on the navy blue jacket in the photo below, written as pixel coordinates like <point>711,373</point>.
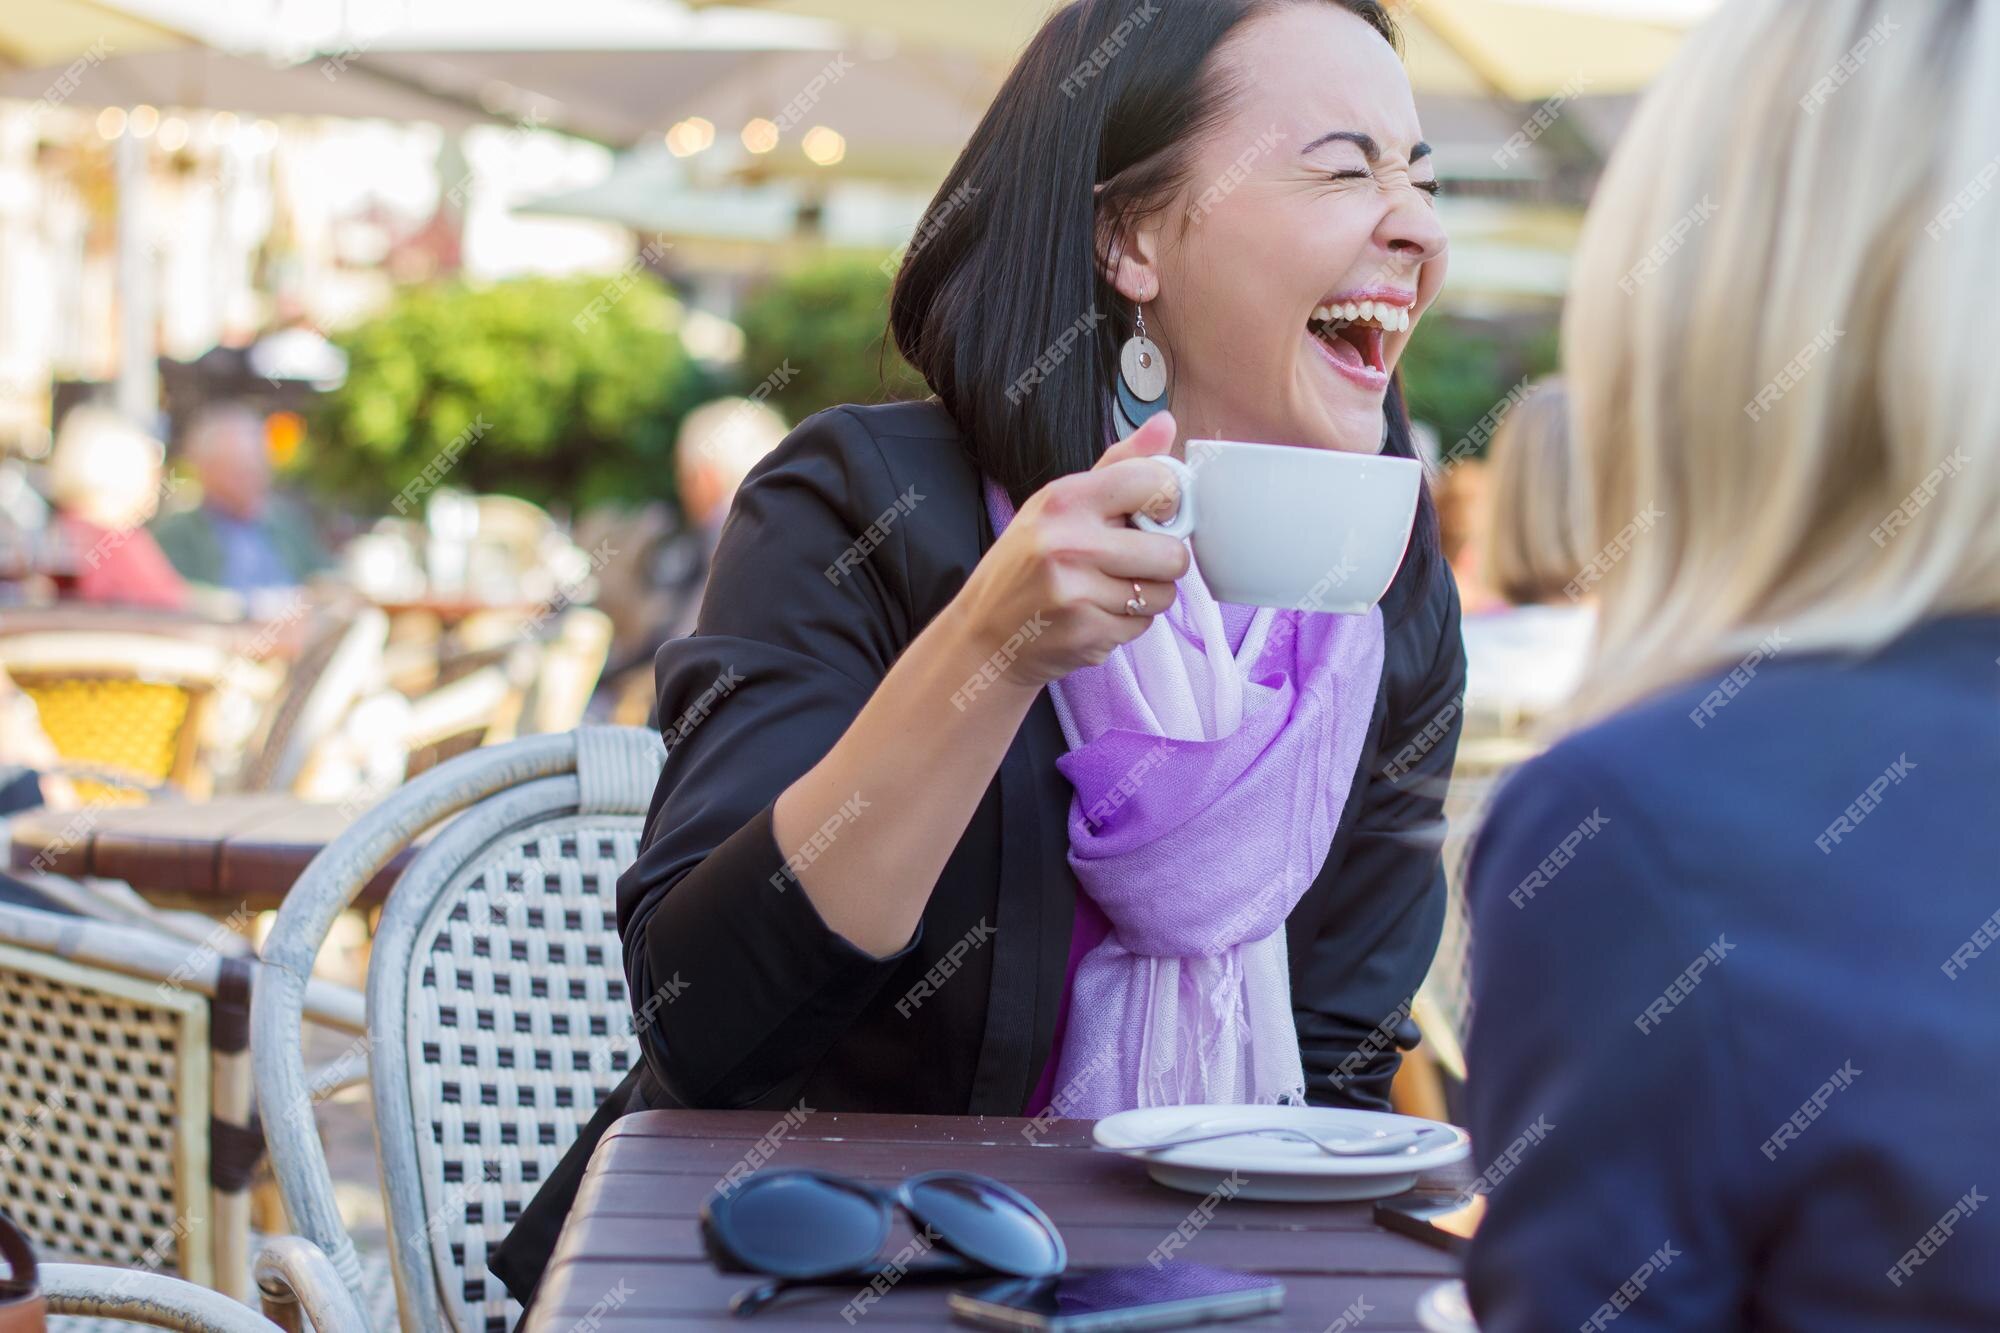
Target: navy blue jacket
<point>1735,1054</point>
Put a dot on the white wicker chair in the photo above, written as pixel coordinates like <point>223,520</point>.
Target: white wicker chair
<point>134,1296</point>
<point>125,1070</point>
<point>498,1018</point>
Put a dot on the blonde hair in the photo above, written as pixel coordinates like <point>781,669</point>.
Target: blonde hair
<point>1778,344</point>
<point>1534,500</point>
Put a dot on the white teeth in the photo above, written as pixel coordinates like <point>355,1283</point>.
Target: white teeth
<point>1389,318</point>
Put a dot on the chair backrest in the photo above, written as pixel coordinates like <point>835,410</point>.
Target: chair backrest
<point>498,1018</point>
<point>126,1083</point>
<point>340,663</point>
<point>105,1087</point>
<point>128,702</point>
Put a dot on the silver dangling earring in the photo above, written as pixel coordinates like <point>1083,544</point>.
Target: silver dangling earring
<point>1141,382</point>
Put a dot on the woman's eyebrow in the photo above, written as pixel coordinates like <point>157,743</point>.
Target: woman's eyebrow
<point>1365,142</point>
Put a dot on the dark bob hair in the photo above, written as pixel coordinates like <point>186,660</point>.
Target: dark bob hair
<point>1005,268</point>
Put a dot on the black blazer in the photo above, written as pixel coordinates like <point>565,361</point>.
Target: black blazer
<point>841,547</point>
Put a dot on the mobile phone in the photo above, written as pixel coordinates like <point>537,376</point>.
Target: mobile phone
<point>1446,1221</point>
<point>1173,1295</point>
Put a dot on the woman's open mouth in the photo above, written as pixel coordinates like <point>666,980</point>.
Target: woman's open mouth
<point>1350,336</point>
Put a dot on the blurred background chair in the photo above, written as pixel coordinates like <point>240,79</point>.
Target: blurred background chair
<point>340,662</point>
<point>1528,623</point>
<point>125,1066</point>
<point>498,1014</point>
<point>134,706</point>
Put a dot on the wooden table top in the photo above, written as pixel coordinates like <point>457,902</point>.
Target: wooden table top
<point>208,855</point>
<point>631,1252</point>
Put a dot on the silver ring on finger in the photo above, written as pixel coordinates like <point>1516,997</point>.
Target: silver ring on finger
<point>1135,605</point>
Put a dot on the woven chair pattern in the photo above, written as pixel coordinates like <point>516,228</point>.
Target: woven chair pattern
<point>91,1085</point>
<point>1483,763</point>
<point>135,726</point>
<point>519,1026</point>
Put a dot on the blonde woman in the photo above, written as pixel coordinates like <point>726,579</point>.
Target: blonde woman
<point>1526,658</point>
<point>1738,1000</point>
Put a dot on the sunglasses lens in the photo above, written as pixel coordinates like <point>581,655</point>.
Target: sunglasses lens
<point>987,1222</point>
<point>802,1225</point>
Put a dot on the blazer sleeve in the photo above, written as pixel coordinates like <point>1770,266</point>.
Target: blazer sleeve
<point>1606,1114</point>
<point>738,986</point>
<point>1374,951</point>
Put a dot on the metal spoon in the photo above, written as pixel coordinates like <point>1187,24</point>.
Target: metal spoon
<point>1376,1147</point>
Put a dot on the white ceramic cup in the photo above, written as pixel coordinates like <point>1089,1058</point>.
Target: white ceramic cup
<point>1295,527</point>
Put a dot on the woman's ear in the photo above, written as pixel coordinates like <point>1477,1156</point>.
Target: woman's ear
<point>1128,258</point>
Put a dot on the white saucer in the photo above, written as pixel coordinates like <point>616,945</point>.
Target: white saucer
<point>1445,1309</point>
<point>1269,1167</point>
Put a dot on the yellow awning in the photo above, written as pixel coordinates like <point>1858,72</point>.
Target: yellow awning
<point>55,32</point>
<point>1527,50</point>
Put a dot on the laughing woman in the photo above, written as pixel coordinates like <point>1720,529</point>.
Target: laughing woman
<point>867,876</point>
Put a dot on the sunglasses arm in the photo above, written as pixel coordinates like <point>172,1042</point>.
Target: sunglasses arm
<point>750,1300</point>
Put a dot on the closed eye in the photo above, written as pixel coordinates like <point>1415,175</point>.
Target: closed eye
<point>1431,188</point>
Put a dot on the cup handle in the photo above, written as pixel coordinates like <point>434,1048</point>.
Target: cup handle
<point>1182,523</point>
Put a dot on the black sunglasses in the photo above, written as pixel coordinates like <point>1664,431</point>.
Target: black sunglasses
<point>804,1228</point>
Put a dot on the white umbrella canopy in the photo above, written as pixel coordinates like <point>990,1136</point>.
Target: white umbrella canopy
<point>900,117</point>
<point>1525,50</point>
<point>55,32</point>
<point>201,78</point>
<point>649,191</point>
<point>994,30</point>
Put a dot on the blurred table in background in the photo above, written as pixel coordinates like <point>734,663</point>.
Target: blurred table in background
<point>212,857</point>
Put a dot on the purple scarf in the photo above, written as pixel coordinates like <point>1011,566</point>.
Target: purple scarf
<point>1208,787</point>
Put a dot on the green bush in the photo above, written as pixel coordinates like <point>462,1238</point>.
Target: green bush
<point>564,392</point>
<point>1456,370</point>
<point>816,335</point>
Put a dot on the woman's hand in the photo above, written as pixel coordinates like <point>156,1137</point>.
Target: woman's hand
<point>1053,588</point>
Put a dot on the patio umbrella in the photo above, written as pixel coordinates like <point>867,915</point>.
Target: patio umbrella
<point>648,190</point>
<point>55,32</point>
<point>1523,50</point>
<point>901,117</point>
<point>1529,50</point>
<point>198,77</point>
<point>995,29</point>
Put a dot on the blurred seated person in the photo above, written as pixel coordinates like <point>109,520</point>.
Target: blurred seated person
<point>719,443</point>
<point>1525,657</point>
<point>239,537</point>
<point>104,480</point>
<point>655,599</point>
